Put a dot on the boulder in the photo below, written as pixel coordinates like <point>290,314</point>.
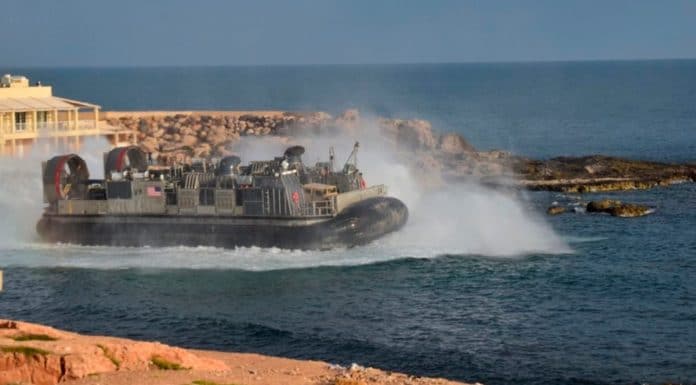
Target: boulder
<point>54,356</point>
<point>629,210</point>
<point>601,206</point>
<point>555,210</point>
<point>189,140</point>
<point>348,119</point>
<point>217,138</point>
<point>149,144</point>
<point>411,134</point>
<point>203,150</point>
<point>453,143</point>
<point>618,209</point>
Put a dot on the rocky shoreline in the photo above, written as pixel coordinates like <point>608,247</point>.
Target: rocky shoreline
<point>179,136</point>
<point>41,355</point>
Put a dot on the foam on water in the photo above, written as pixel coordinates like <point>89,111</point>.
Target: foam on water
<point>466,220</point>
<point>463,219</point>
<point>181,257</point>
<point>574,239</point>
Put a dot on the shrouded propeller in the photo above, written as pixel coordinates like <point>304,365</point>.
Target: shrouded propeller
<point>125,158</point>
<point>65,176</point>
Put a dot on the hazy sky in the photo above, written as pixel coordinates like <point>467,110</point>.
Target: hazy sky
<point>207,32</point>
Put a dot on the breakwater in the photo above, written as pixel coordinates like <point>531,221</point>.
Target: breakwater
<point>180,136</point>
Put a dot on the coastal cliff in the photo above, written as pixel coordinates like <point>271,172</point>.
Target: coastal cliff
<point>179,136</point>
<point>41,355</point>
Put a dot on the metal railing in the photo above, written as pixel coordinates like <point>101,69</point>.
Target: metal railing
<point>86,125</point>
<point>55,126</point>
<point>49,127</point>
<point>320,208</point>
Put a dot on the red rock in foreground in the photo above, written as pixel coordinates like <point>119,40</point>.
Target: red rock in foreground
<point>41,355</point>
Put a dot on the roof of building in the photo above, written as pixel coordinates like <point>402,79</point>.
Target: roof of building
<point>43,103</point>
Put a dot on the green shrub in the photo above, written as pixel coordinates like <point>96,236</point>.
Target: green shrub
<point>108,355</point>
<point>164,364</point>
<point>26,350</point>
<point>206,382</point>
<point>33,337</point>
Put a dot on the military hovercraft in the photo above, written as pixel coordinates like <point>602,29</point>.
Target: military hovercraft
<point>222,203</point>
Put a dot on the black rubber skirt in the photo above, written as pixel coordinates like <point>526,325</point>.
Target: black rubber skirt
<point>358,224</point>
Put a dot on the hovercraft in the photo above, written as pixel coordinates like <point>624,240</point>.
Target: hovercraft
<point>219,202</point>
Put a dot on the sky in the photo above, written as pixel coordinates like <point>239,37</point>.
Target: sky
<point>51,33</point>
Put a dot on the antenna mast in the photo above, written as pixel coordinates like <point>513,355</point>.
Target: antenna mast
<point>332,156</point>
<point>352,159</point>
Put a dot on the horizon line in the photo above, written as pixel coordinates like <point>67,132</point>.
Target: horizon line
<point>559,61</point>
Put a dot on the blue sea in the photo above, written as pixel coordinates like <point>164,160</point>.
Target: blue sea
<point>480,286</point>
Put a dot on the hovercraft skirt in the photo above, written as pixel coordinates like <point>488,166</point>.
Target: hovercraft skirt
<point>357,224</point>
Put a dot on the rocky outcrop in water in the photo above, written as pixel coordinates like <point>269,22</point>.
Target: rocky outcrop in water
<point>181,136</point>
<point>618,209</point>
<point>599,173</point>
<point>612,207</point>
<point>555,210</point>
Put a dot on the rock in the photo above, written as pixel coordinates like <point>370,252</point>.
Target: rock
<point>629,210</point>
<point>149,144</point>
<point>62,356</point>
<point>555,210</point>
<point>598,173</point>
<point>488,168</point>
<point>453,143</point>
<point>618,209</point>
<point>413,139</point>
<point>143,126</point>
<point>202,150</point>
<point>601,206</point>
<point>350,115</point>
<point>410,134</point>
<point>189,140</point>
<point>349,119</point>
<point>223,150</point>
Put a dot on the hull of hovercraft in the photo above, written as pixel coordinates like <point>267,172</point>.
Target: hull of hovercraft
<point>358,224</point>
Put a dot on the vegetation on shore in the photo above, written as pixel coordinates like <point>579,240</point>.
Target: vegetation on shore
<point>33,337</point>
<point>107,354</point>
<point>25,350</point>
<point>206,382</point>
<point>164,364</point>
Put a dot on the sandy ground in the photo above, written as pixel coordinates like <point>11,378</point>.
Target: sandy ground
<point>70,358</point>
<point>254,369</point>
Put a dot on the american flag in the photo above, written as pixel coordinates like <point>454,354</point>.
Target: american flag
<point>154,191</point>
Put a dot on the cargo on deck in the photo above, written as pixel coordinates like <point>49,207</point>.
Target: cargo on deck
<point>217,202</point>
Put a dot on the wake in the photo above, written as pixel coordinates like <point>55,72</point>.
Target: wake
<point>461,219</point>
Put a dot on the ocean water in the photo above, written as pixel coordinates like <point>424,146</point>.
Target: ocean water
<point>480,285</point>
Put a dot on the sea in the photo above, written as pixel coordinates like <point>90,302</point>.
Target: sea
<point>480,286</point>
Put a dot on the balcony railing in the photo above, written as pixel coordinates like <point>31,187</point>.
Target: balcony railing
<point>47,128</point>
<point>61,126</point>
